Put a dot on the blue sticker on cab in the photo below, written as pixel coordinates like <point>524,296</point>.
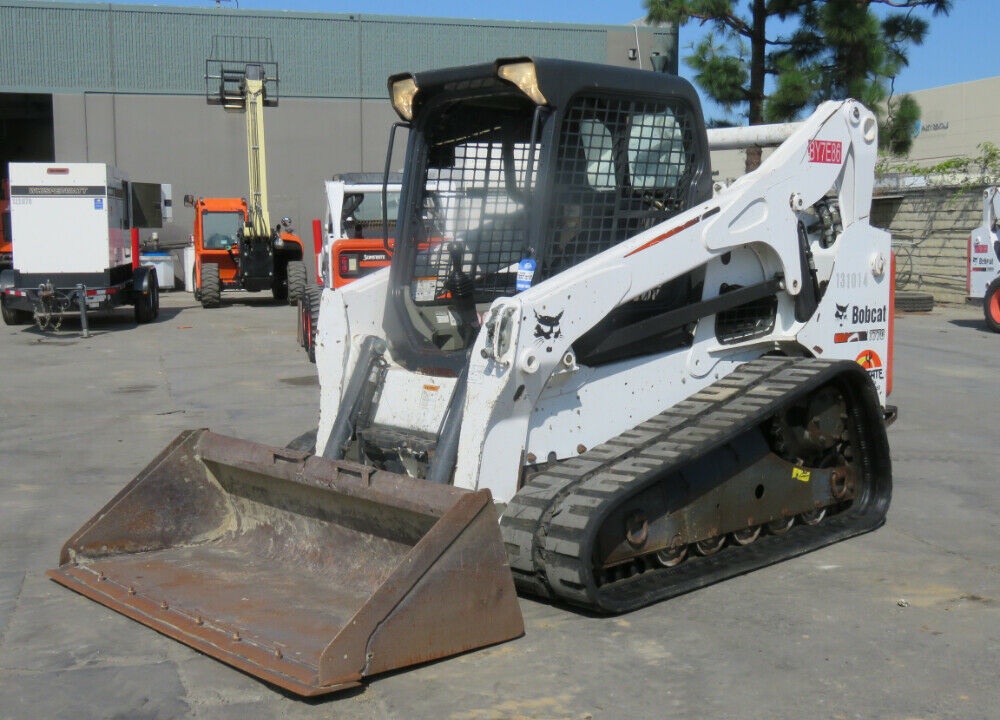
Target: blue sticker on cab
<point>98,203</point>
<point>525,271</point>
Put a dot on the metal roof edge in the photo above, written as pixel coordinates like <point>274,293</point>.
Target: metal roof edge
<point>85,5</point>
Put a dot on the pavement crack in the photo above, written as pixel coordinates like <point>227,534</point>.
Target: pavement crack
<point>946,550</point>
<point>17,602</point>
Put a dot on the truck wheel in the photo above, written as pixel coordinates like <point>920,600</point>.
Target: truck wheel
<point>147,304</point>
<point>296,274</point>
<point>211,288</point>
<point>13,316</point>
<point>991,306</point>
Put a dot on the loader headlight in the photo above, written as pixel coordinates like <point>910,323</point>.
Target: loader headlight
<point>279,243</point>
<point>523,75</point>
<point>403,89</point>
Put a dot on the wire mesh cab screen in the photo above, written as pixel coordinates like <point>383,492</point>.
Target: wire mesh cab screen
<point>623,165</point>
<point>480,172</point>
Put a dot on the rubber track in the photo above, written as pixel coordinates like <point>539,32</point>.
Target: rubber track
<point>550,525</point>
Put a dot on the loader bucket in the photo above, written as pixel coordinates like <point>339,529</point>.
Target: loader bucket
<point>308,573</point>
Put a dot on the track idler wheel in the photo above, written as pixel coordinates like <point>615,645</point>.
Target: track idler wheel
<point>710,546</point>
<point>671,557</point>
<point>780,527</point>
<point>747,536</point>
<point>813,517</point>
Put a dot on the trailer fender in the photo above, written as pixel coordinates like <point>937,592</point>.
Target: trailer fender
<point>143,281</point>
<point>8,279</point>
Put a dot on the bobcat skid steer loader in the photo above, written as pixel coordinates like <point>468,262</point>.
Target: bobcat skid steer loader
<point>583,375</point>
<point>983,276</point>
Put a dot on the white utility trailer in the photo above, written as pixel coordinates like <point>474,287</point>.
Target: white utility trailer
<point>75,245</point>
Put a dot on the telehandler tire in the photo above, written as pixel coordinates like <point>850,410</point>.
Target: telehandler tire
<point>211,287</point>
<point>296,273</point>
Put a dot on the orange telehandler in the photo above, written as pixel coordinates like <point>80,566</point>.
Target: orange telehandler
<point>235,244</point>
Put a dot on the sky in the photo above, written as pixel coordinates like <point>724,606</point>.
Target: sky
<point>960,47</point>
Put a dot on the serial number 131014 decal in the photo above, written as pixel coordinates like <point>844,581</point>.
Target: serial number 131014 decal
<point>850,280</point>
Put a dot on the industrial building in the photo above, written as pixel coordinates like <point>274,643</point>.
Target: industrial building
<point>955,119</point>
<point>125,84</point>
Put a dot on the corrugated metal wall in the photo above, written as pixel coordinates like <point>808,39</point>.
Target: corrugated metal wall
<point>74,47</point>
<point>127,86</point>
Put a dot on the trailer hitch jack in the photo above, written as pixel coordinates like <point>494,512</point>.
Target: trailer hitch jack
<point>81,292</point>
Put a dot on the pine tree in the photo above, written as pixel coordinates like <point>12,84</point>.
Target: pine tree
<point>813,49</point>
<point>844,49</point>
<point>731,64</point>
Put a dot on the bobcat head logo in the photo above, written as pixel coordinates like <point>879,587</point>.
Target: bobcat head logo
<point>547,327</point>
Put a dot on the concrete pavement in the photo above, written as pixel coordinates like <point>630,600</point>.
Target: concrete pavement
<point>901,624</point>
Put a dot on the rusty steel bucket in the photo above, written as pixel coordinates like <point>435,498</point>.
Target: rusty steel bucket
<point>308,573</point>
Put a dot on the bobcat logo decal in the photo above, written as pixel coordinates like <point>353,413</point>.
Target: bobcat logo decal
<point>547,327</point>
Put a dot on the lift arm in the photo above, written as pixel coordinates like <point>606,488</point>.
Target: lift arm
<point>834,150</point>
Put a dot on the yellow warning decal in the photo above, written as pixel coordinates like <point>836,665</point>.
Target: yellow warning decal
<point>800,474</point>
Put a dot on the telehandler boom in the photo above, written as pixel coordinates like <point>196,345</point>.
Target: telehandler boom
<point>236,247</point>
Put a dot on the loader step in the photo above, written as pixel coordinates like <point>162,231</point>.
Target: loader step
<point>552,525</point>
